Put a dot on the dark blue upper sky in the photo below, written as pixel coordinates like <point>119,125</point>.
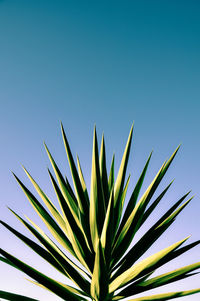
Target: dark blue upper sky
<point>107,63</point>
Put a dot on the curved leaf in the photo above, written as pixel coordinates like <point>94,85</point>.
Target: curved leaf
<point>150,237</point>
<point>160,280</point>
<point>47,219</point>
<point>146,265</point>
<point>52,285</point>
<point>14,297</point>
<point>55,213</point>
<point>37,248</point>
<point>167,296</point>
<point>70,268</point>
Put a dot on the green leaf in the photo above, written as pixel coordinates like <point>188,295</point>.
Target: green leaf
<point>80,257</point>
<point>170,256</point>
<point>167,296</point>
<point>72,203</point>
<point>123,196</point>
<point>135,219</point>
<point>62,202</point>
<point>97,203</point>
<point>68,216</point>
<point>119,184</point>
<point>133,198</point>
<point>155,203</point>
<point>5,260</point>
<point>77,237</point>
<point>14,297</point>
<point>107,232</point>
<point>82,201</point>
<point>52,285</point>
<point>70,190</point>
<point>37,248</point>
<point>69,267</point>
<point>86,231</point>
<point>99,284</point>
<point>169,277</point>
<point>145,265</point>
<point>47,219</point>
<point>111,179</point>
<point>82,198</point>
<point>82,180</point>
<point>177,253</point>
<point>160,280</point>
<point>103,172</point>
<point>70,288</point>
<point>119,296</point>
<point>82,251</point>
<point>150,236</point>
<point>55,213</point>
<point>141,247</point>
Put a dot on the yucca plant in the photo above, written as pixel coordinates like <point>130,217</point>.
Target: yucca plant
<point>93,236</point>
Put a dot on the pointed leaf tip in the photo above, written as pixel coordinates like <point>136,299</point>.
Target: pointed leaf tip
<point>178,147</point>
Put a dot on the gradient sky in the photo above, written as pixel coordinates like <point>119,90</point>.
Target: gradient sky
<point>107,63</point>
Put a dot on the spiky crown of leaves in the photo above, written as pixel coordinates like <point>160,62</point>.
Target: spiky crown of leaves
<point>97,233</point>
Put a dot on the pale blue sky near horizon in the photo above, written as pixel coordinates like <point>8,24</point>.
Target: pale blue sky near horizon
<point>109,63</point>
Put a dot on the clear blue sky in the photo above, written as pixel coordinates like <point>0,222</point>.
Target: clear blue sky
<point>107,63</point>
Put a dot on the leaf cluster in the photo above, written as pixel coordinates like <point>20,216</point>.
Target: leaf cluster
<point>98,232</point>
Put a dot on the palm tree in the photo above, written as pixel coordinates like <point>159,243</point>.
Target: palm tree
<point>93,236</point>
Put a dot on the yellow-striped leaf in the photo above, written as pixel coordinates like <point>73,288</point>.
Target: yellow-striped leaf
<point>97,203</point>
<point>145,265</point>
<point>167,296</point>
<point>99,284</point>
